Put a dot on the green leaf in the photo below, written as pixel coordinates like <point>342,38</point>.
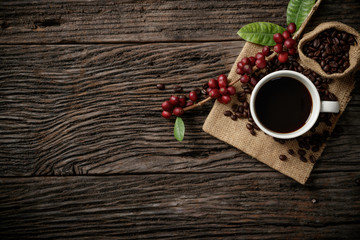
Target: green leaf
<point>298,10</point>
<point>179,129</point>
<point>260,33</point>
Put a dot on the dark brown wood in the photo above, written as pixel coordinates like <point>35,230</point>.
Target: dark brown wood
<point>78,97</point>
<point>95,109</point>
<point>149,21</point>
<point>181,206</point>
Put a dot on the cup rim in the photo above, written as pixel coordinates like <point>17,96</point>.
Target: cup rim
<point>315,97</point>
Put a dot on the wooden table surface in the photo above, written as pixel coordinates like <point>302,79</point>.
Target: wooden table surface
<point>85,154</point>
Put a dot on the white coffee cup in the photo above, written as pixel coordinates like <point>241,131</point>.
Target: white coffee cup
<point>317,105</point>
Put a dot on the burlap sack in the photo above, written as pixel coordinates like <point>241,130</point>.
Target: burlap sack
<point>263,147</point>
<point>354,53</point>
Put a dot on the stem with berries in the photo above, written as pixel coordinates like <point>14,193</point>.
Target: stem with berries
<point>220,89</point>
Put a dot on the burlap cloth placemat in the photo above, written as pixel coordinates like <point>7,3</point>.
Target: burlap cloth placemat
<point>262,147</point>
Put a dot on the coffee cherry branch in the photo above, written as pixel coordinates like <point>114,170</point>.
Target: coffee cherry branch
<point>255,68</point>
<point>221,90</point>
<point>269,58</point>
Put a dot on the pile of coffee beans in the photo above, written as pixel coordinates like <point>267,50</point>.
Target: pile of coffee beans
<point>331,50</point>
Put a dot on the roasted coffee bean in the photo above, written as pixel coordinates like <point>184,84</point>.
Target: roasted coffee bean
<point>178,89</point>
<point>227,113</point>
<point>315,149</point>
<point>302,158</point>
<point>326,68</point>
<point>245,114</point>
<point>291,151</point>
<point>233,117</point>
<point>316,43</point>
<point>160,86</point>
<point>282,157</point>
<point>239,115</point>
<point>252,131</point>
<point>322,63</point>
<point>307,146</point>
<point>241,109</point>
<point>248,90</point>
<point>301,152</point>
<point>249,126</point>
<point>251,119</point>
<point>333,64</point>
<point>246,105</point>
<point>234,107</point>
<point>312,158</point>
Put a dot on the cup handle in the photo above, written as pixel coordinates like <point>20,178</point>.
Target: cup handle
<point>330,106</point>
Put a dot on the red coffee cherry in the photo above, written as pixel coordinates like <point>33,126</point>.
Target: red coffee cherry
<point>259,55</point>
<point>261,63</point>
<point>214,93</point>
<point>223,91</point>
<point>213,83</point>
<point>178,111</point>
<point>283,57</point>
<point>225,99</point>
<point>166,114</point>
<point>167,106</point>
<point>278,38</point>
<point>286,34</point>
<point>289,43</point>
<point>252,61</point>
<point>247,69</point>
<point>174,100</point>
<point>266,51</point>
<point>245,61</point>
<point>292,51</point>
<point>244,79</point>
<point>222,83</point>
<point>182,101</point>
<point>278,48</point>
<point>222,77</point>
<point>189,103</point>
<point>240,71</point>
<point>291,27</point>
<point>193,96</point>
<point>231,90</point>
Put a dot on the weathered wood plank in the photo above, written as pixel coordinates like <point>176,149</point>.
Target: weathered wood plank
<point>92,109</point>
<point>228,205</point>
<point>149,21</point>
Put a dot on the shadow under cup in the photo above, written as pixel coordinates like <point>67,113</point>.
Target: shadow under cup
<point>286,104</point>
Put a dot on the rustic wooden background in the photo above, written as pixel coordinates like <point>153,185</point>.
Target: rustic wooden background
<point>84,153</point>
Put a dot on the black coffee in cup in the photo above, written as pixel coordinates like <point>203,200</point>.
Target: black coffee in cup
<point>283,105</point>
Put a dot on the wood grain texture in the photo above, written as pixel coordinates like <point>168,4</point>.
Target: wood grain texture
<point>181,206</point>
<point>149,20</point>
<point>94,109</point>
